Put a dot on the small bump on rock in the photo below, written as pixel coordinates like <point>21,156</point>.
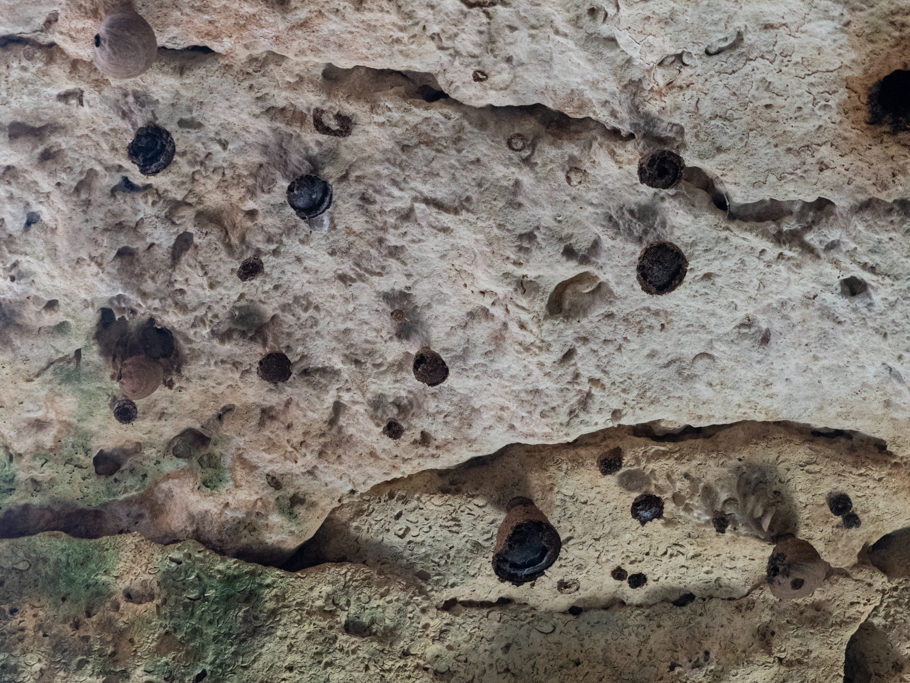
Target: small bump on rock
<point>526,544</point>
<point>429,367</point>
<point>661,268</point>
<point>647,507</point>
<point>125,411</point>
<point>125,45</point>
<point>795,569</point>
<point>662,169</point>
<point>310,196</point>
<point>275,368</point>
<point>152,149</point>
<point>188,443</point>
<point>139,377</point>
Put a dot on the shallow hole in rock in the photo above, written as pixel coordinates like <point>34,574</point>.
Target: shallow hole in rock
<point>721,522</point>
<point>393,430</point>
<point>870,656</point>
<point>526,544</point>
<point>661,268</point>
<point>181,245</point>
<point>839,503</point>
<point>152,149</point>
<point>662,169</point>
<point>106,463</point>
<point>517,142</point>
<point>889,101</point>
<point>684,599</point>
<point>610,462</point>
<point>188,443</point>
<point>619,574</point>
<point>340,126</point>
<point>567,586</point>
<point>429,367</point>
<point>157,342</point>
<point>853,286</point>
<point>647,507</point>
<point>851,520</point>
<point>250,268</point>
<point>633,480</point>
<point>275,368</point>
<point>891,554</point>
<point>125,411</point>
<point>637,580</point>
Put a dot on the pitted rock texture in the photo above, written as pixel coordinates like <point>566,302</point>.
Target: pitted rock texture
<point>124,609</point>
<point>485,204</point>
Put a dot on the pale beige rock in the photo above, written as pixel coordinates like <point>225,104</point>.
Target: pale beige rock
<point>501,227</point>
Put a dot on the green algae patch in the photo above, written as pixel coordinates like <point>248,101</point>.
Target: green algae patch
<point>9,665</point>
<point>71,574</point>
<point>213,475</point>
<point>88,382</point>
<point>286,509</point>
<point>219,610</point>
<point>8,472</point>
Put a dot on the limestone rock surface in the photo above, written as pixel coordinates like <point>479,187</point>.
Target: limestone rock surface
<point>483,158</point>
